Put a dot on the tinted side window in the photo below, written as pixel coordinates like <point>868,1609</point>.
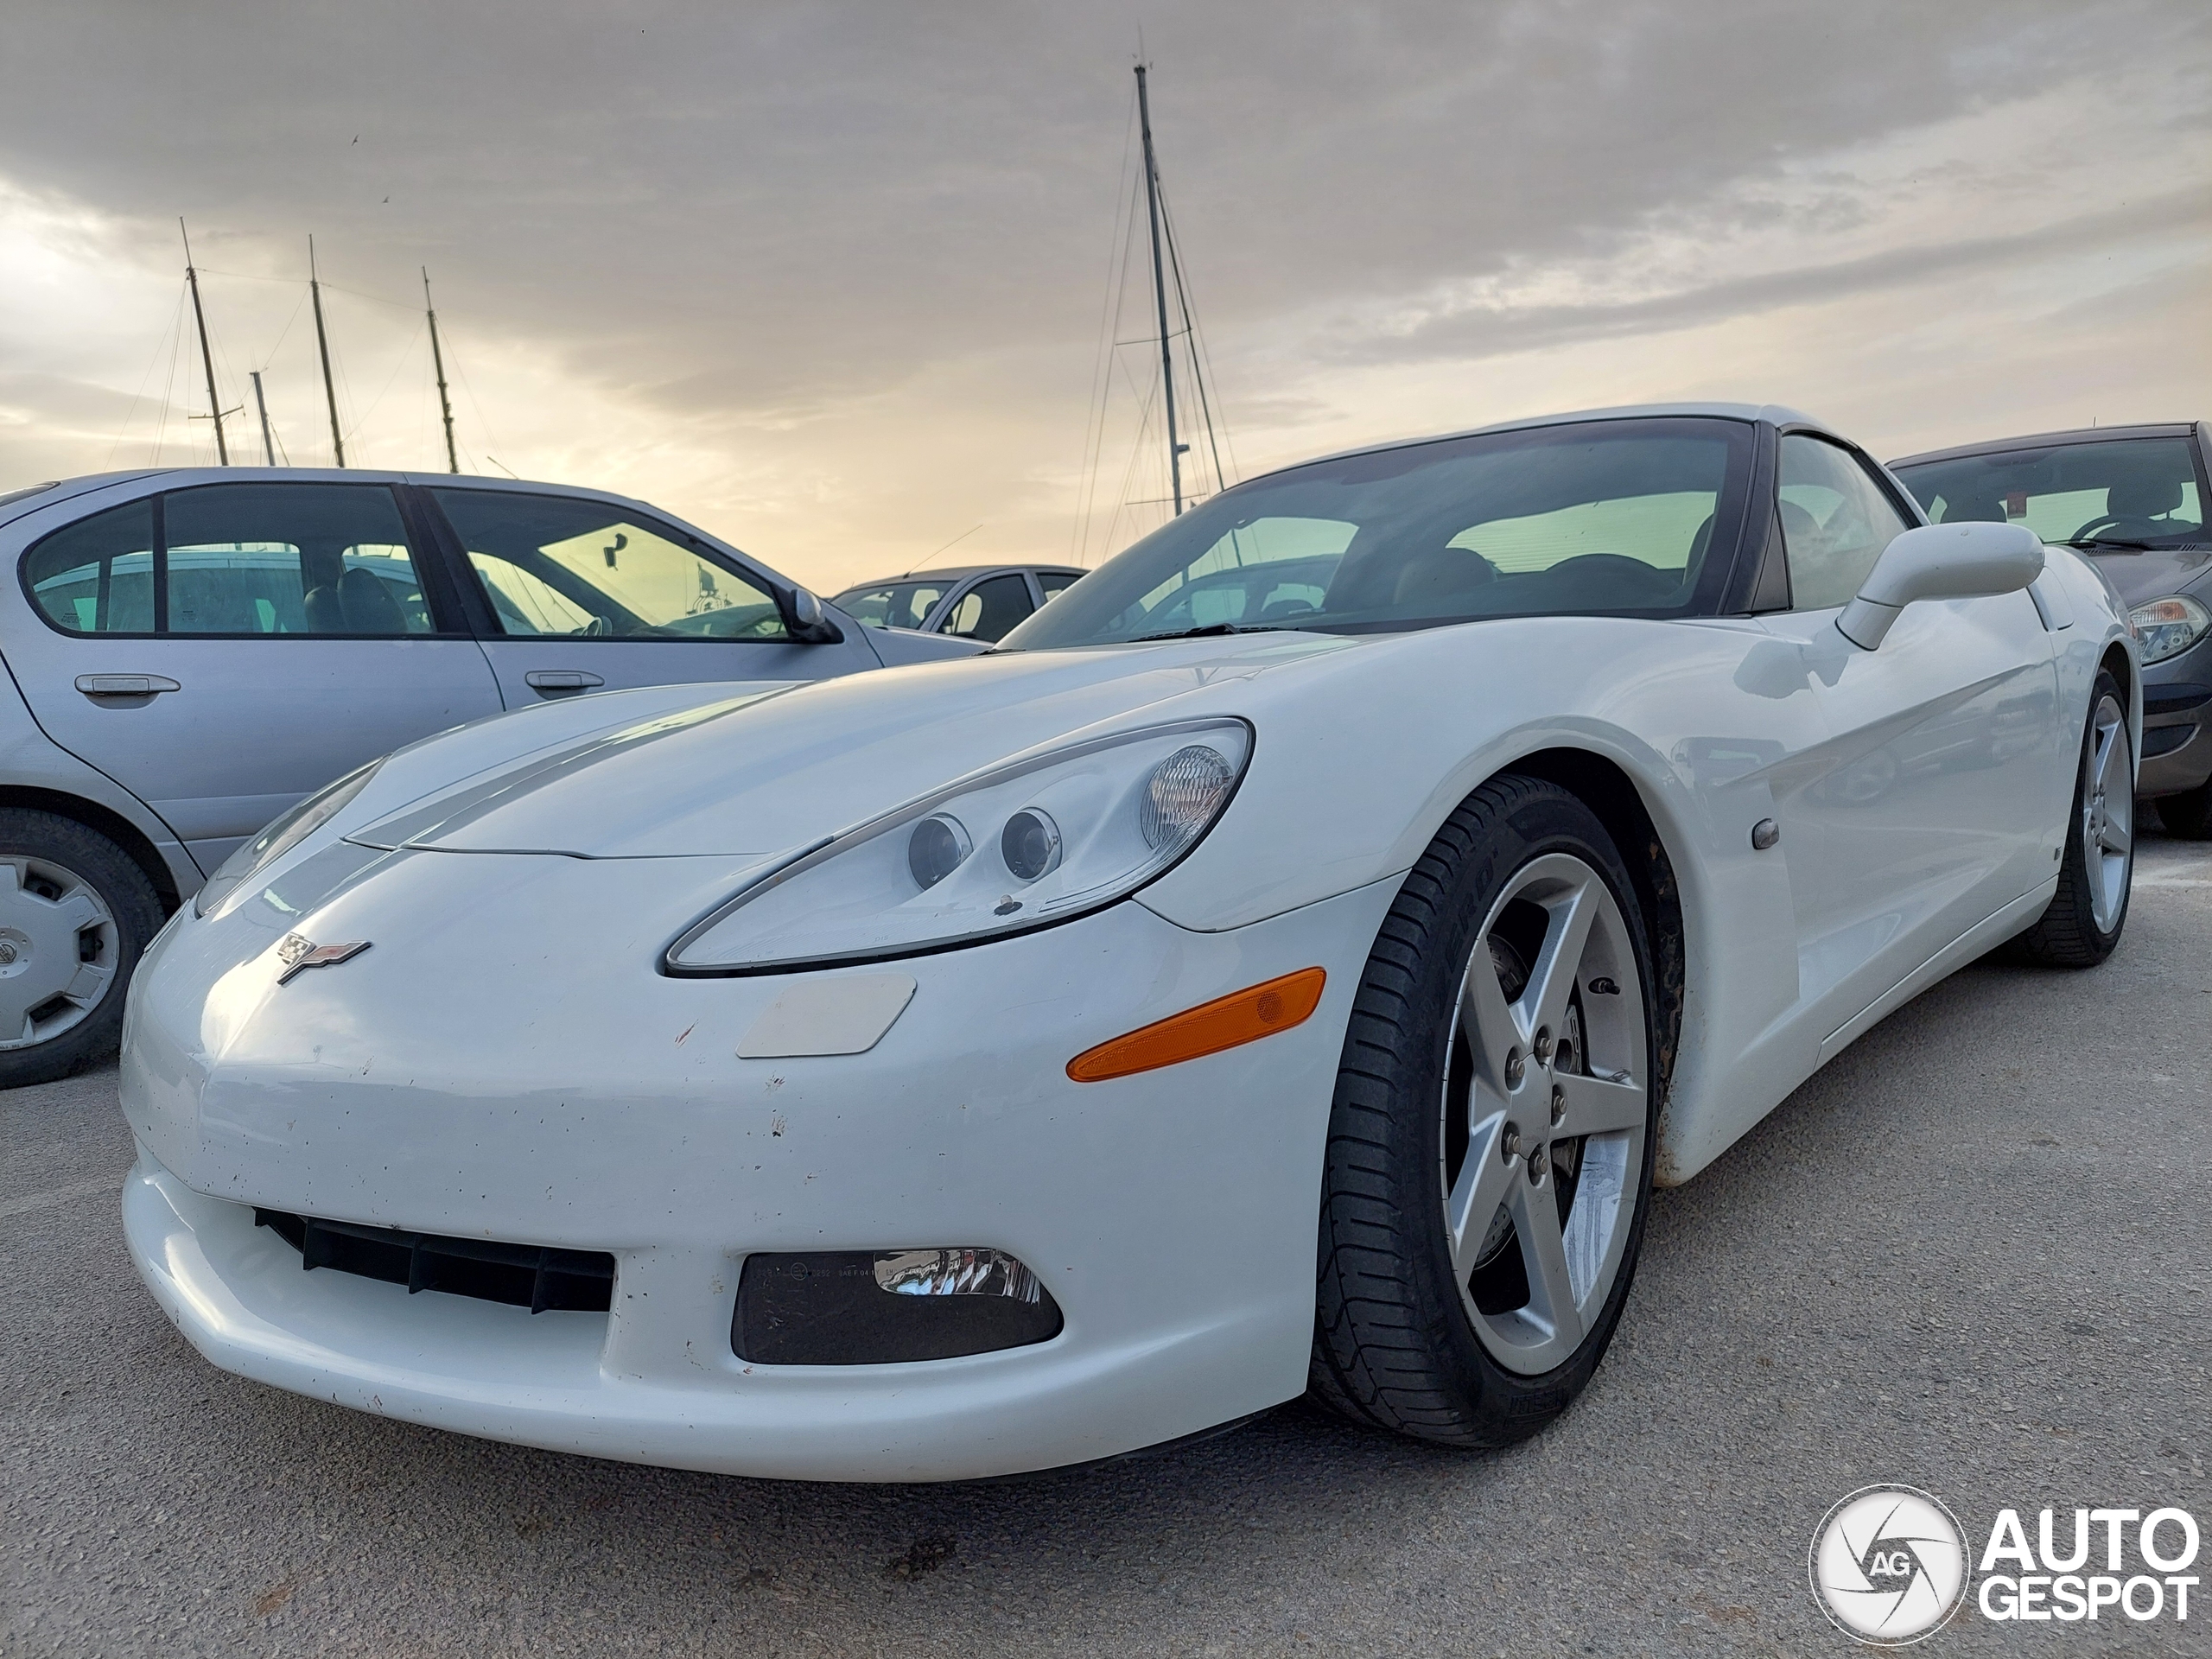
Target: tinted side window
<point>990,608</point>
<point>97,576</point>
<point>564,566</point>
<point>1056,581</point>
<point>1836,522</point>
<point>290,558</point>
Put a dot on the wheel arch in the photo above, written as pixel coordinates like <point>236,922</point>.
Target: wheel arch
<point>109,822</point>
<point>1611,793</point>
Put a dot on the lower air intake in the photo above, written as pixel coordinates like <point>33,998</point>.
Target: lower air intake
<point>879,1307</point>
<point>527,1275</point>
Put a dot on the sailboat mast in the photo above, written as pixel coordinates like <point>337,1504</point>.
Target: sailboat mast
<point>323,344</point>
<point>438,362</point>
<point>268,444</point>
<point>206,358</point>
<point>1160,292</point>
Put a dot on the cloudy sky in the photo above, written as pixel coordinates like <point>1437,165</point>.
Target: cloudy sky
<point>832,280</point>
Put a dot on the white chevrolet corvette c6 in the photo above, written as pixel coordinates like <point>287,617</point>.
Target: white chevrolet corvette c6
<point>1399,862</point>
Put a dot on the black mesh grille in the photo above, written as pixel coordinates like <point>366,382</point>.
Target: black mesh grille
<point>527,1275</point>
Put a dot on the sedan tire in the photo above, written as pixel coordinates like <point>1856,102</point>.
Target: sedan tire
<point>76,913</point>
<point>1490,1145</point>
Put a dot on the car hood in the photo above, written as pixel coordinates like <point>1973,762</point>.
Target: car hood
<point>2155,574</point>
<point>754,772</point>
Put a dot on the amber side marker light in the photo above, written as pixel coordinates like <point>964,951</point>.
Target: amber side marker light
<point>1241,1017</point>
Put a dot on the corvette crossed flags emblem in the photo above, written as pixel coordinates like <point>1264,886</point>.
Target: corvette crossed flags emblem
<point>298,954</point>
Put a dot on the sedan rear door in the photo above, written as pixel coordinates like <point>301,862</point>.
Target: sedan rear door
<point>222,650</point>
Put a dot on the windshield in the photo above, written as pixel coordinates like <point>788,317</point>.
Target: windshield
<point>892,604</point>
<point>1611,516</point>
<point>2117,490</point>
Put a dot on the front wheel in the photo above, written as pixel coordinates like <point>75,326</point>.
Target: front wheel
<point>2096,872</point>
<point>1489,1165</point>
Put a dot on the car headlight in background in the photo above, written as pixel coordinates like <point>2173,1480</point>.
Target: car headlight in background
<point>287,832</point>
<point>2167,627</point>
<point>1030,842</point>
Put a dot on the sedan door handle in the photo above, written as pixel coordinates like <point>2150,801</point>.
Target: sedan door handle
<point>551,682</point>
<point>124,685</point>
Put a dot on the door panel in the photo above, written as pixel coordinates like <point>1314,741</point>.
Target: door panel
<point>1938,795</point>
<point>286,616</point>
<point>588,595</point>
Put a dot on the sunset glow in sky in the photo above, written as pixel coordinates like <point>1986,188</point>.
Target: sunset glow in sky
<point>829,279</point>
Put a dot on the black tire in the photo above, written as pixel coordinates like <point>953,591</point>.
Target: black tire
<point>1395,1346</point>
<point>2189,814</point>
<point>136,910</point>
<point>2068,934</point>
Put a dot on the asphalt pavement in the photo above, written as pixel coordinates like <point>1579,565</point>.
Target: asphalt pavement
<point>1974,1256</point>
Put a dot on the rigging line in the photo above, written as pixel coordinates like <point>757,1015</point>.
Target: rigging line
<point>168,391</point>
<point>1138,451</point>
<point>1102,372</point>
<point>298,305</point>
<point>1190,328</point>
<point>1118,291</point>
<point>138,396</point>
<point>461,369</point>
<point>405,357</point>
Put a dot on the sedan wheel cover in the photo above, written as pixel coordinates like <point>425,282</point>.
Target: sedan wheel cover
<point>60,948</point>
<point>2107,814</point>
<point>1547,1097</point>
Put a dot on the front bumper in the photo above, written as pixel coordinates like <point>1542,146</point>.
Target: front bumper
<point>1170,1214</point>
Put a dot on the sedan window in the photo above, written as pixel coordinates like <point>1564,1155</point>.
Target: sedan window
<point>1598,516</point>
<point>97,576</point>
<point>892,604</point>
<point>990,608</point>
<point>236,559</point>
<point>577,568</point>
<point>290,558</point>
<point>2119,489</point>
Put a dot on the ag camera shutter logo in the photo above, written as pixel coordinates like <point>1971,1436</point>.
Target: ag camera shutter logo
<point>1888,1566</point>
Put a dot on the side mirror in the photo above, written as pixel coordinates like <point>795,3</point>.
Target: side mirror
<point>810,624</point>
<point>1965,561</point>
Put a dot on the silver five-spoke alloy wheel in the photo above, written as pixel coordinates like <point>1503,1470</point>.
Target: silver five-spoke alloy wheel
<point>60,947</point>
<point>2108,813</point>
<point>1546,1107</point>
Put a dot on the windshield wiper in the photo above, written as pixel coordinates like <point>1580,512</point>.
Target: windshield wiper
<point>1210,630</point>
<point>2120,542</point>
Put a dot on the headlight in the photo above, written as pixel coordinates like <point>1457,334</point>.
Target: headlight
<point>2167,627</point>
<point>281,836</point>
<point>1023,845</point>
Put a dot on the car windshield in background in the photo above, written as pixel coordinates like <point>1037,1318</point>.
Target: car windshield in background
<point>2121,491</point>
<point>1611,517</point>
<point>892,604</point>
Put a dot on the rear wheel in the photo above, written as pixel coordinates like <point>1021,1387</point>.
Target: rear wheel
<point>1490,1146</point>
<point>2096,873</point>
<point>76,912</point>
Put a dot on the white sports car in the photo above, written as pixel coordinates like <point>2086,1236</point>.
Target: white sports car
<point>1402,861</point>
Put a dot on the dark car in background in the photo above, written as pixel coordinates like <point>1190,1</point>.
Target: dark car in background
<point>970,601</point>
<point>2131,498</point>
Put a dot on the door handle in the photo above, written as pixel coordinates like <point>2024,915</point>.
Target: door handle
<point>124,685</point>
<point>552,681</point>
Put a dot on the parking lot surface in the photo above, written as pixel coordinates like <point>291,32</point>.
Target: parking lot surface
<point>1973,1254</point>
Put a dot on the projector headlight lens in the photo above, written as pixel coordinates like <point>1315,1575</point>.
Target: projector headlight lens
<point>1037,840</point>
<point>1030,844</point>
<point>936,848</point>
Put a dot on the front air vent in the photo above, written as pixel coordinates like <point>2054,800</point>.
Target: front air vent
<point>526,1275</point>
